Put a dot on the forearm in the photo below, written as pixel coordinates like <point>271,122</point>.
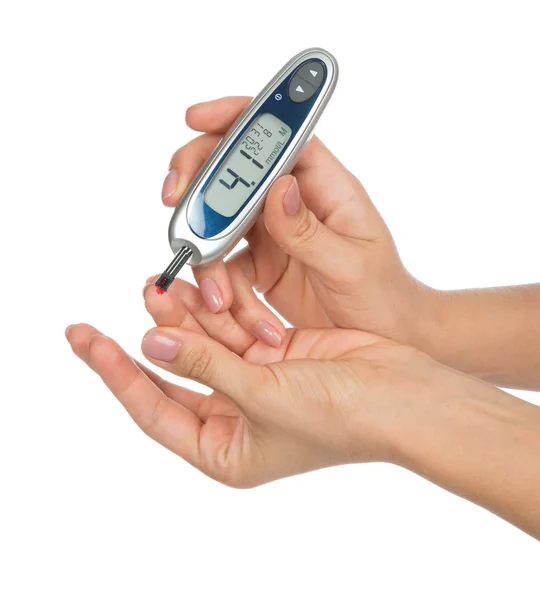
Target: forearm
<point>481,444</point>
<point>493,334</point>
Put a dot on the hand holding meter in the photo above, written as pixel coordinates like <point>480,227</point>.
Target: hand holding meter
<point>225,199</point>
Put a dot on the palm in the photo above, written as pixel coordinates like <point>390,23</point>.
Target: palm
<point>225,443</point>
<point>227,449</point>
<point>327,344</point>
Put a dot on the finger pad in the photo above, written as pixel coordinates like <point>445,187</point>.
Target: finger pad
<point>113,364</point>
<point>78,337</point>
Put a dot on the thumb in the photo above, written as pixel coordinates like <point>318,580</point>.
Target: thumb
<point>195,356</point>
<point>298,231</point>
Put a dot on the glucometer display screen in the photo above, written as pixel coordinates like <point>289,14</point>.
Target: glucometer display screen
<point>246,164</point>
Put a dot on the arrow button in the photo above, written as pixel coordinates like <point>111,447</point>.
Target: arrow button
<point>306,81</point>
<point>300,90</point>
<point>312,72</point>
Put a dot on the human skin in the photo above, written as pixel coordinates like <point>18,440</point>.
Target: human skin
<point>322,242</point>
<point>324,397</point>
<point>314,398</point>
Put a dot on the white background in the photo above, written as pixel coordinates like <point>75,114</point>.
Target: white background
<point>436,111</point>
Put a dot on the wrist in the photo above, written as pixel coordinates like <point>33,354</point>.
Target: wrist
<point>424,431</point>
<point>430,325</point>
<point>478,442</point>
<point>400,415</point>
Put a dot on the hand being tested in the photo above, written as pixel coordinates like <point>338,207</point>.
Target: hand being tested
<point>274,413</point>
<point>324,397</point>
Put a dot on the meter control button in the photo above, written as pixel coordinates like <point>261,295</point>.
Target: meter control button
<point>312,72</point>
<point>306,81</point>
<point>300,90</point>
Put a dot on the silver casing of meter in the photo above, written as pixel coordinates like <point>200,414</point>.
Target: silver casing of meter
<point>207,250</point>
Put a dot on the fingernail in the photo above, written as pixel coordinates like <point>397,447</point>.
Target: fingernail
<point>169,185</point>
<point>66,332</point>
<point>268,334</point>
<point>291,201</point>
<point>160,346</point>
<point>211,294</point>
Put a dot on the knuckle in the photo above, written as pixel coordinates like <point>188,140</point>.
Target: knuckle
<point>156,416</point>
<point>198,363</point>
<point>236,271</point>
<point>307,228</point>
<point>272,377</point>
<point>272,383</point>
<point>228,327</point>
<point>176,158</point>
<point>184,152</point>
<point>239,310</point>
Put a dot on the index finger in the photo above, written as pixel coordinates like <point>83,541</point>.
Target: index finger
<point>169,423</point>
<point>216,116</point>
